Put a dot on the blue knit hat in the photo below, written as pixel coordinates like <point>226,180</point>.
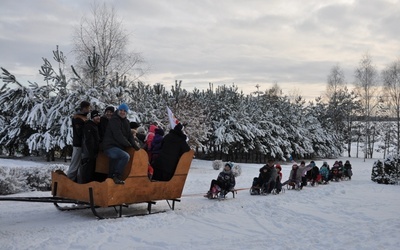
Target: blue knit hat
<point>123,106</point>
<point>229,164</point>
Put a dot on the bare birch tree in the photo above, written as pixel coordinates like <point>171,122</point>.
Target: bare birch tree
<point>366,79</point>
<point>336,80</point>
<point>336,84</point>
<point>103,33</point>
<point>391,83</point>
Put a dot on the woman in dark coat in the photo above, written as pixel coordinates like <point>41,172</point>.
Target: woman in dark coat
<point>172,147</point>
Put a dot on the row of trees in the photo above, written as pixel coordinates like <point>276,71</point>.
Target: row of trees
<point>36,119</point>
<point>223,122</point>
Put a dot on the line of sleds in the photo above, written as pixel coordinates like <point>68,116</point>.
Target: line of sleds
<point>269,180</point>
<point>313,177</point>
<point>138,188</point>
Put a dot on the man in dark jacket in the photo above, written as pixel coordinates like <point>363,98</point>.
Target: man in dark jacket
<point>172,147</point>
<point>265,182</point>
<point>108,112</point>
<point>117,138</point>
<point>90,148</point>
<point>78,121</point>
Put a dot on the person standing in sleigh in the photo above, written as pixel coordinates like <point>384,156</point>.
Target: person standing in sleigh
<point>223,184</point>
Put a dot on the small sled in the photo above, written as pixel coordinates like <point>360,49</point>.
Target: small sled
<point>217,193</point>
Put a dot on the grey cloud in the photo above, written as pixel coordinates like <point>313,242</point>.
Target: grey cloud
<point>243,42</point>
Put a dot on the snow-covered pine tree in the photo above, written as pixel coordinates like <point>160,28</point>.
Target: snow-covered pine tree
<point>386,172</point>
<point>272,138</point>
<point>198,126</point>
<point>227,129</point>
<point>324,143</point>
<point>189,108</point>
<point>51,115</point>
<point>16,105</point>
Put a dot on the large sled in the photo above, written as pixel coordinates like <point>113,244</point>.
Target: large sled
<point>138,188</point>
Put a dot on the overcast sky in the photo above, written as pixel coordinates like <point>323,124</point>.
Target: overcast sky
<point>294,43</point>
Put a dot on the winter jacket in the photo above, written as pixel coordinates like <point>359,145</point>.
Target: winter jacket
<point>347,169</point>
<point>341,166</point>
<point>267,176</point>
<point>347,166</point>
<point>172,147</point>
<point>300,171</point>
<point>156,144</point>
<point>324,171</point>
<point>279,177</point>
<point>335,168</point>
<point>157,140</point>
<point>304,169</point>
<point>150,136</point>
<point>78,121</point>
<point>313,173</point>
<point>227,179</point>
<point>103,126</point>
<point>118,134</point>
<point>90,149</point>
<point>91,140</point>
<point>326,165</point>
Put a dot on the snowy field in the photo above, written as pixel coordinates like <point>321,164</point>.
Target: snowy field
<point>356,214</point>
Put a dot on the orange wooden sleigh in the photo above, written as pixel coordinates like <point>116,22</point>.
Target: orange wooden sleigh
<point>138,188</point>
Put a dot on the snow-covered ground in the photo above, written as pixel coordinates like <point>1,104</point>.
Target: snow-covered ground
<point>356,214</point>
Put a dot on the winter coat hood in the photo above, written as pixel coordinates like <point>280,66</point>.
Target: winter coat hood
<point>152,128</point>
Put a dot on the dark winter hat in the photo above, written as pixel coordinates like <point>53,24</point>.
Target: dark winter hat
<point>84,104</point>
<point>230,165</point>
<point>123,106</point>
<point>178,127</point>
<point>94,114</point>
<point>109,108</point>
<point>302,162</point>
<point>159,131</point>
<point>133,125</point>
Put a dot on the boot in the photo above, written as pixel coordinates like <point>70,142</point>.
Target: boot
<point>118,181</point>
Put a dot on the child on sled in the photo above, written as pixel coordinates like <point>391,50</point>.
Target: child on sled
<point>324,172</point>
<point>265,182</point>
<point>347,172</point>
<point>278,183</point>
<point>296,174</point>
<point>224,183</point>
